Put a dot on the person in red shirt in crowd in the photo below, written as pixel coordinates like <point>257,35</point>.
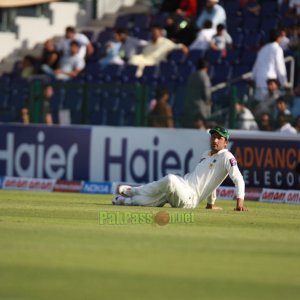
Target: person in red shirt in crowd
<point>188,8</point>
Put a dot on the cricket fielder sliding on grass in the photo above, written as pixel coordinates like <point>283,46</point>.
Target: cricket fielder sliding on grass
<point>188,191</point>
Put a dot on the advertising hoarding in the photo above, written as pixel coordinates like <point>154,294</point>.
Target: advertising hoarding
<point>44,152</point>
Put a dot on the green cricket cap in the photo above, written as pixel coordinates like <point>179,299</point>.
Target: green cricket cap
<point>221,131</point>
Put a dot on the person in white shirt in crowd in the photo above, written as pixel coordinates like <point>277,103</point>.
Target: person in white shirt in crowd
<point>204,37</point>
<point>285,41</point>
<point>269,63</point>
<point>69,66</point>
<point>221,41</point>
<point>285,125</point>
<point>130,45</point>
<point>199,185</point>
<point>245,118</point>
<point>156,51</point>
<point>86,48</point>
<point>212,11</point>
<point>294,8</point>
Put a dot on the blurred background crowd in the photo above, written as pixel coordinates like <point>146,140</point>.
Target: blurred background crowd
<point>181,63</point>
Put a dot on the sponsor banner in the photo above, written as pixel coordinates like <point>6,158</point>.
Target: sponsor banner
<point>266,160</point>
<point>38,151</point>
<point>228,193</point>
<point>141,155</point>
<point>280,196</point>
<point>253,193</point>
<point>293,197</point>
<point>273,196</point>
<point>90,187</point>
<point>28,184</point>
<point>68,186</point>
<point>225,193</point>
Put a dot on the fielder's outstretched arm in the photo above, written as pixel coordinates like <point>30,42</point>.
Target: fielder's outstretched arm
<point>238,180</point>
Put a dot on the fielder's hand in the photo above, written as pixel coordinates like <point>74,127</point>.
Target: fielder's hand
<point>240,206</point>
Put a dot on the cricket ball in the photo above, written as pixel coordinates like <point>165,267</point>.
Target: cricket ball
<point>162,218</point>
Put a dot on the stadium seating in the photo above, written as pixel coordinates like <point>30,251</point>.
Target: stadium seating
<point>106,107</point>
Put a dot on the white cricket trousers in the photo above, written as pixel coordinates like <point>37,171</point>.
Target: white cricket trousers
<point>171,189</point>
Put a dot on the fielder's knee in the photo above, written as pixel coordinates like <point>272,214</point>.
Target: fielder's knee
<point>171,181</point>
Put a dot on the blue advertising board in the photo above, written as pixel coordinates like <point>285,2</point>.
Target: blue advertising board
<point>102,154</point>
<point>45,152</point>
<point>91,187</point>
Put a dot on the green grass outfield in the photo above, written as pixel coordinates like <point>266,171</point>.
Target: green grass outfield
<point>53,247</point>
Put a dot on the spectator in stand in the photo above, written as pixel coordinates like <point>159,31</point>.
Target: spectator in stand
<point>156,51</point>
<point>245,118</point>
<point>27,67</point>
<point>285,41</point>
<point>285,125</point>
<point>188,8</point>
<point>50,56</point>
<point>44,105</point>
<point>129,45</point>
<point>282,108</point>
<point>200,123</point>
<point>221,41</point>
<point>86,48</point>
<point>184,8</point>
<point>187,32</point>
<point>162,114</point>
<point>46,115</point>
<point>269,63</point>
<point>269,101</point>
<point>294,8</point>
<point>204,37</point>
<point>265,122</point>
<point>171,28</point>
<point>197,100</point>
<point>212,11</point>
<point>294,36</point>
<point>69,66</point>
<point>112,52</point>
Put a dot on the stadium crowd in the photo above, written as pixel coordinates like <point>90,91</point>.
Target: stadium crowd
<point>195,44</point>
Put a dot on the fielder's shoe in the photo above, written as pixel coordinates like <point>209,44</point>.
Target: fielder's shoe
<point>125,190</point>
<point>120,200</point>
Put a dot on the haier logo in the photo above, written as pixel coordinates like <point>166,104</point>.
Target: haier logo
<point>42,154</point>
<point>141,160</point>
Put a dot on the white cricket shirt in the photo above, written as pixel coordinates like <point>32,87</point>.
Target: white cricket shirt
<point>212,171</point>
